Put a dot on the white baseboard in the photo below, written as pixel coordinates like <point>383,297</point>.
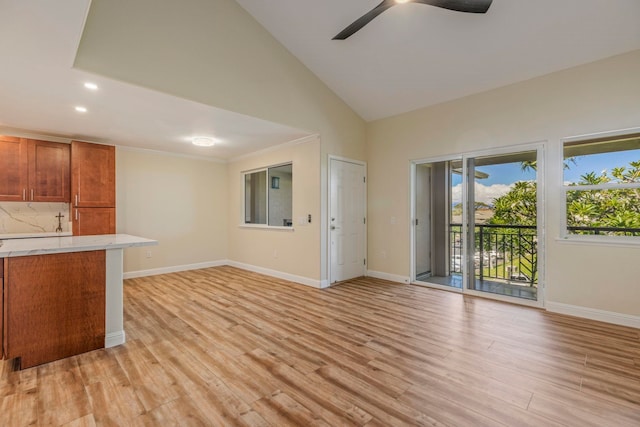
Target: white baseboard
<point>594,314</point>
<point>387,276</point>
<point>114,338</point>
<point>273,273</point>
<point>173,269</point>
<point>278,274</point>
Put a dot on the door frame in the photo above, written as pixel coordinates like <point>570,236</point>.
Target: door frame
<point>330,160</point>
<point>540,147</point>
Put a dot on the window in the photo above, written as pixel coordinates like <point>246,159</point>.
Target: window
<point>602,187</point>
<point>268,196</point>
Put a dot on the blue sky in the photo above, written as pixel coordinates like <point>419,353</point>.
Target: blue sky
<point>598,162</point>
<point>502,176</point>
<point>508,173</point>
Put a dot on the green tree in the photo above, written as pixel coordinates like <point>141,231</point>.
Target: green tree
<point>610,208</point>
<point>517,207</point>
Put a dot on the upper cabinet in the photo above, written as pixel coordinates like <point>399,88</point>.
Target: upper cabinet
<point>33,171</point>
<point>13,169</point>
<point>48,171</point>
<point>93,177</point>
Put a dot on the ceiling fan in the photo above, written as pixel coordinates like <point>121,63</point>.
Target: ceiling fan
<point>468,6</point>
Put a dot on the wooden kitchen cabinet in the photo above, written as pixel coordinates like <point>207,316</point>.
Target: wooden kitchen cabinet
<point>90,221</point>
<point>13,169</point>
<point>34,171</point>
<point>93,183</point>
<point>93,176</point>
<point>54,306</point>
<point>49,170</point>
<point>1,309</point>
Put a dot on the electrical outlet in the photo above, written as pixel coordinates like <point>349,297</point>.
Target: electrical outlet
<point>275,253</point>
<point>148,254</point>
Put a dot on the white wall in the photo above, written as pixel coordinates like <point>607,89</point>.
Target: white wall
<point>179,201</point>
<point>596,97</point>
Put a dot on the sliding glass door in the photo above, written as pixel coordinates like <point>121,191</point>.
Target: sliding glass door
<point>476,225</point>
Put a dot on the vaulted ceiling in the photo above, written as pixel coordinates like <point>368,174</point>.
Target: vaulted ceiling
<point>414,55</point>
<point>411,56</point>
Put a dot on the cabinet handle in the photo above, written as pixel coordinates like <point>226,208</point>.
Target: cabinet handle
<point>24,194</point>
<point>76,200</point>
<point>77,215</point>
<point>32,194</point>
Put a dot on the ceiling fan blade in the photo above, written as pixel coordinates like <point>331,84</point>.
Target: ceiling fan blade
<point>469,6</point>
<point>364,19</point>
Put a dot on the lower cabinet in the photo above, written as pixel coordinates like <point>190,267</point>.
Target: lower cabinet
<point>90,221</point>
<point>54,306</point>
<point>1,309</point>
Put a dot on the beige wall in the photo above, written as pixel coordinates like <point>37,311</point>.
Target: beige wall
<point>179,201</point>
<point>295,252</point>
<point>214,52</point>
<point>596,97</point>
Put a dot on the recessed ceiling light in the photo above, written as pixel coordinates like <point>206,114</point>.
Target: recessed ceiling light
<point>80,109</point>
<point>91,86</point>
<point>402,1</point>
<point>203,141</point>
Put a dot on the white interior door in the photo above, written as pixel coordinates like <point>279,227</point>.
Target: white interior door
<point>346,220</point>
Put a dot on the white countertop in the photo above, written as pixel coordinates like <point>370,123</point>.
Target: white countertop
<point>53,245</point>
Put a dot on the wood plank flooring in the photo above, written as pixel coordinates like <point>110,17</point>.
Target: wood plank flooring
<point>223,346</point>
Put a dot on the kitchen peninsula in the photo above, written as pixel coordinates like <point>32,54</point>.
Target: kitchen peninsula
<point>62,295</point>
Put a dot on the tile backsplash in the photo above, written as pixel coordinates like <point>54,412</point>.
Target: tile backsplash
<point>32,217</point>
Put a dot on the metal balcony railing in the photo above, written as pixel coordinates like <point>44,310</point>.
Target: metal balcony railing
<point>510,252</point>
<point>504,252</point>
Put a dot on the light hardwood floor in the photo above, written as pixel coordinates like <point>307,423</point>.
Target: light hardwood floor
<point>223,346</point>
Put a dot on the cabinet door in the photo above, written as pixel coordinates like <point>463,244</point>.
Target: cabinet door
<point>93,175</point>
<point>55,305</point>
<point>49,179</point>
<point>2,309</point>
<point>13,169</point>
<point>90,221</point>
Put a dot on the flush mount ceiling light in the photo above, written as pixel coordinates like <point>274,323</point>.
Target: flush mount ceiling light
<point>91,86</point>
<point>203,141</point>
<point>81,109</point>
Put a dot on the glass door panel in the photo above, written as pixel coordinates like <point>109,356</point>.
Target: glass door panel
<point>502,227</point>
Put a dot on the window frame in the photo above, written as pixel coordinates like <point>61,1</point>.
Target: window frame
<point>243,175</point>
<point>601,239</point>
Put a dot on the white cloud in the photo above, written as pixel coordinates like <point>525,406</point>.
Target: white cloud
<point>484,193</point>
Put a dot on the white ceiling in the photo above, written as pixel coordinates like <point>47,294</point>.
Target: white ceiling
<point>39,90</point>
<point>409,57</point>
<point>414,55</point>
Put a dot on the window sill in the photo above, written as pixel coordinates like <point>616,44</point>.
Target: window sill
<point>600,241</point>
<point>266,227</point>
